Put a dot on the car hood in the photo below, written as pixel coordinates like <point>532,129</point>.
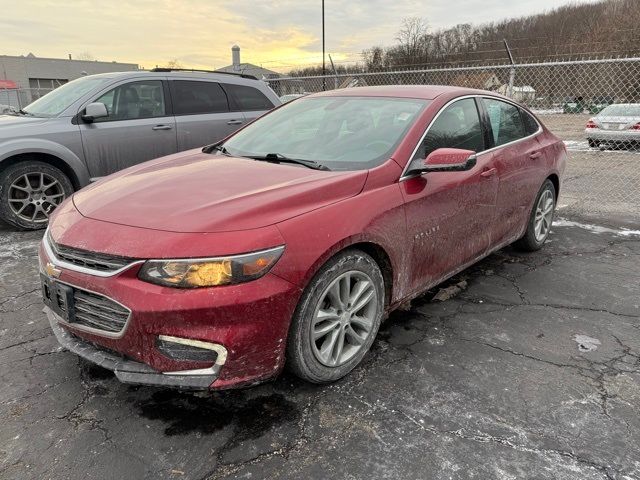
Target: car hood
<point>198,192</point>
<point>19,120</point>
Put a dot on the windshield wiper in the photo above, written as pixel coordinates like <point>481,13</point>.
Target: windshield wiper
<point>216,147</point>
<point>279,158</point>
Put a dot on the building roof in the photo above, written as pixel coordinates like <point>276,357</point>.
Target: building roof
<point>476,80</point>
<point>251,69</point>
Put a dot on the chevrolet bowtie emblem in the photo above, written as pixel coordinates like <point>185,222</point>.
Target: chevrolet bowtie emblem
<point>52,271</point>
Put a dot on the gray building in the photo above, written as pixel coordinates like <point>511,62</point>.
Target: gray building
<point>26,78</point>
<point>280,87</point>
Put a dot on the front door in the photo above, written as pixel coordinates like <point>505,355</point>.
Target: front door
<point>449,214</point>
<point>137,128</point>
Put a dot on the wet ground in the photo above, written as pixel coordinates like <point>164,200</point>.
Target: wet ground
<point>524,366</point>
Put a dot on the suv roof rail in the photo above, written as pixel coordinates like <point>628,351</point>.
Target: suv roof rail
<point>168,69</point>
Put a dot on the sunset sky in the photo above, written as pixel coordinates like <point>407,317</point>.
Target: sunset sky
<point>277,34</point>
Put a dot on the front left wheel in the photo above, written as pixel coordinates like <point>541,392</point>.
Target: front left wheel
<point>30,191</point>
<point>337,318</point>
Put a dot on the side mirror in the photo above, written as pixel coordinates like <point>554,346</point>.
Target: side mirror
<point>93,111</point>
<point>448,160</point>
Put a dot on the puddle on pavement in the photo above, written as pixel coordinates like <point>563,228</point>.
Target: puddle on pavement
<point>186,413</point>
<point>586,343</point>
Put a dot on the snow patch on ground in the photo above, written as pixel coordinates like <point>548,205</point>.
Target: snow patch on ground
<point>623,232</point>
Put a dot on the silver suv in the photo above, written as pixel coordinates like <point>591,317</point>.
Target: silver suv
<point>96,125</point>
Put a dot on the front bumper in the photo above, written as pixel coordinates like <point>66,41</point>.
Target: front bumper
<point>251,320</point>
<point>130,371</point>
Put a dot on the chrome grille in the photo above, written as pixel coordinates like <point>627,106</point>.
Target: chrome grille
<point>91,260</point>
<point>95,311</point>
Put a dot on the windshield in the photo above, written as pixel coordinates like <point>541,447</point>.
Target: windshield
<point>632,110</point>
<point>56,101</point>
<point>342,133</point>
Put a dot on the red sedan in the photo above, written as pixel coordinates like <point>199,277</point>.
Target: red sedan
<point>290,241</point>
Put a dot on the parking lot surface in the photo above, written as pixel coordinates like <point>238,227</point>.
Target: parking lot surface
<point>523,366</point>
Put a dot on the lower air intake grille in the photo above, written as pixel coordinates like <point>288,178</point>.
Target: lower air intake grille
<point>95,311</point>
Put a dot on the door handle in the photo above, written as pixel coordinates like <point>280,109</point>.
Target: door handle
<point>162,127</point>
<point>534,155</point>
<point>234,122</point>
<point>489,172</point>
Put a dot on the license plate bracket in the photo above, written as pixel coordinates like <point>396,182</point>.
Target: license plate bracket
<point>58,297</point>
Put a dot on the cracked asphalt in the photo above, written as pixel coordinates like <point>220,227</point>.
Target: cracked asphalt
<point>523,366</point>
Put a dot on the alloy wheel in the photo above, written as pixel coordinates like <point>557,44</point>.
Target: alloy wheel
<point>343,318</point>
<point>544,215</point>
<point>34,195</point>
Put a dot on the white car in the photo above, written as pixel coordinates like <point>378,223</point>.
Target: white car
<point>617,125</point>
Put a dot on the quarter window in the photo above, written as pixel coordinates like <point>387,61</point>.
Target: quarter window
<point>506,123</point>
<point>248,98</point>
<point>193,97</point>
<point>457,126</point>
<point>134,100</point>
<point>530,124</point>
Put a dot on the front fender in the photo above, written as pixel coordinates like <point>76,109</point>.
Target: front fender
<point>20,146</point>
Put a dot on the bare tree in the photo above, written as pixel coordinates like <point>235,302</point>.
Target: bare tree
<point>86,56</point>
<point>174,63</point>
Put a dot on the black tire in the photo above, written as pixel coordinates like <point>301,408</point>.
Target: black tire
<point>592,143</point>
<point>529,242</point>
<point>43,205</point>
<point>301,359</point>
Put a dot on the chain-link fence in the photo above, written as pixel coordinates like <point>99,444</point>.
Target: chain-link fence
<point>593,105</point>
<point>16,98</point>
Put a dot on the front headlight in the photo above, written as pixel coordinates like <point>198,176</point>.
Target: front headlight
<point>209,272</point>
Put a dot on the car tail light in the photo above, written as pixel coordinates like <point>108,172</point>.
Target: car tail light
<point>591,124</point>
<point>636,126</point>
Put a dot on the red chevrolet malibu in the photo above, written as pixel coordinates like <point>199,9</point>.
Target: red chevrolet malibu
<point>289,242</point>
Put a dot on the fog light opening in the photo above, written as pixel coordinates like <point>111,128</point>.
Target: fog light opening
<point>185,349</point>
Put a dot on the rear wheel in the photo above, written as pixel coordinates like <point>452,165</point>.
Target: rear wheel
<point>540,219</point>
<point>30,191</point>
<point>337,318</point>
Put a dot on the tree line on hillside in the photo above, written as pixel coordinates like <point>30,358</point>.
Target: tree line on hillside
<point>607,28</point>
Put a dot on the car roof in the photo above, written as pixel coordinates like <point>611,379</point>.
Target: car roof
<point>217,76</point>
<point>426,92</point>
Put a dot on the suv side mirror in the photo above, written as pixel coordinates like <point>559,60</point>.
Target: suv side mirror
<point>93,111</point>
<point>448,160</point>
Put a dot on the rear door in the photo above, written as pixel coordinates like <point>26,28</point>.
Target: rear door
<point>249,100</point>
<point>519,158</point>
<point>202,113</point>
<point>138,127</point>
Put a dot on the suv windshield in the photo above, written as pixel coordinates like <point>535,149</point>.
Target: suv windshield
<point>342,133</point>
<point>56,101</point>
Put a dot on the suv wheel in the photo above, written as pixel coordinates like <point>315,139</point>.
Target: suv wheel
<point>30,191</point>
<point>337,318</point>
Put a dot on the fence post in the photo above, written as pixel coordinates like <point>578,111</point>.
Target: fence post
<point>512,70</point>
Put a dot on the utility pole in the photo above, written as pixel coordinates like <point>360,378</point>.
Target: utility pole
<point>324,68</point>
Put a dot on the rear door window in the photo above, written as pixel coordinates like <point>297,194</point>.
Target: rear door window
<point>191,97</point>
<point>506,122</point>
<point>457,126</point>
<point>248,98</point>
